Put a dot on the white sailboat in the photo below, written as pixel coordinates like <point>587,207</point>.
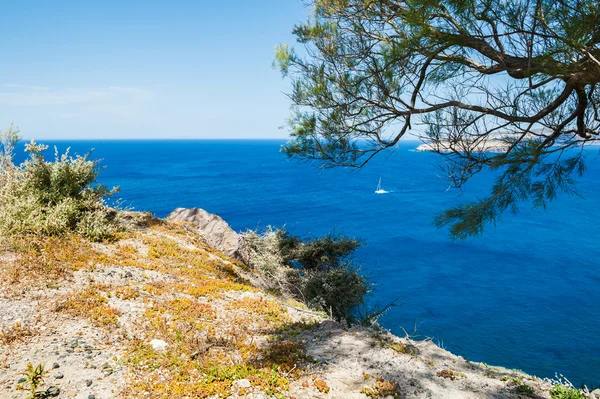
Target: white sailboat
<point>380,190</point>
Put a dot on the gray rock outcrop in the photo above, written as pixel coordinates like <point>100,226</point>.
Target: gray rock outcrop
<point>215,230</point>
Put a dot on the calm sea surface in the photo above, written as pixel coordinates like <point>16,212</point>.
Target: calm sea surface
<point>524,295</point>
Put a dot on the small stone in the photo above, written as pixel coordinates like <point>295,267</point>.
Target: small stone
<point>53,391</point>
<point>73,344</point>
<point>91,396</point>
<point>59,376</point>
<point>159,345</point>
<point>22,380</point>
<point>243,383</point>
<point>88,383</point>
<point>55,365</point>
<point>128,274</point>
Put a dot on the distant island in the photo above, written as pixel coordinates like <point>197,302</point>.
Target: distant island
<point>446,146</point>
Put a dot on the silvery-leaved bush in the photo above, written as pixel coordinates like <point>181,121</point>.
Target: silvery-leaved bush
<point>56,197</point>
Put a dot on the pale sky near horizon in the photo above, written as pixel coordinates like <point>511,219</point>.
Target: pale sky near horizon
<point>145,69</point>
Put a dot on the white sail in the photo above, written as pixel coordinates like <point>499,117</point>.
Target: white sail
<point>380,190</point>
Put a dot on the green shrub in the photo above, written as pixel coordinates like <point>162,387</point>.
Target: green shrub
<point>338,291</point>
<point>328,280</point>
<point>317,271</point>
<point>563,392</point>
<point>523,388</point>
<point>265,257</point>
<point>34,377</point>
<point>53,198</point>
<point>8,141</point>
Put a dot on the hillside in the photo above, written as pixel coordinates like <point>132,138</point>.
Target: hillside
<point>160,314</point>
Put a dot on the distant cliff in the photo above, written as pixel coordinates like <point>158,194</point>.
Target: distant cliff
<point>447,147</point>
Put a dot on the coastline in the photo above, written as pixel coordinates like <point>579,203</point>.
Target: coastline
<point>151,180</point>
<point>142,278</point>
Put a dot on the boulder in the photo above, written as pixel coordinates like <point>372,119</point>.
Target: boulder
<point>215,230</point>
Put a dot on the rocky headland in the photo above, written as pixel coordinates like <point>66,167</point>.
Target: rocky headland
<point>168,310</point>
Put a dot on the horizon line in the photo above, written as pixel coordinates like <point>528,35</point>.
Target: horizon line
<point>171,138</point>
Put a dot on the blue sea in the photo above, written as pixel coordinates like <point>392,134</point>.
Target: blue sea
<point>525,294</point>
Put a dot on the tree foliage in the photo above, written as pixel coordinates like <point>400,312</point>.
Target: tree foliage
<point>320,254</point>
<point>520,77</point>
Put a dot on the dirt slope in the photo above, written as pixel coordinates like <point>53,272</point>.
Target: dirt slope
<point>159,314</point>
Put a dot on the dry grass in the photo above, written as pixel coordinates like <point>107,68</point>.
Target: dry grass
<point>382,388</point>
<point>39,261</point>
<point>321,386</point>
<point>193,300</point>
<point>212,340</point>
<point>126,292</point>
<point>267,312</point>
<point>206,354</point>
<point>91,303</point>
<point>401,348</point>
<point>450,374</point>
<point>17,333</point>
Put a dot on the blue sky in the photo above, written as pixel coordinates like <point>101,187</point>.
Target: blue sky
<point>144,69</point>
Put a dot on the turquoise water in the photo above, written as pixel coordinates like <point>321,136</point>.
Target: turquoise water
<point>524,295</point>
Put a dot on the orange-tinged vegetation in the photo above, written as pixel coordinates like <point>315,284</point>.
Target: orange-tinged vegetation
<point>17,332</point>
<point>126,292</point>
<point>321,386</point>
<point>450,374</point>
<point>217,327</point>
<point>382,388</point>
<point>93,304</point>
